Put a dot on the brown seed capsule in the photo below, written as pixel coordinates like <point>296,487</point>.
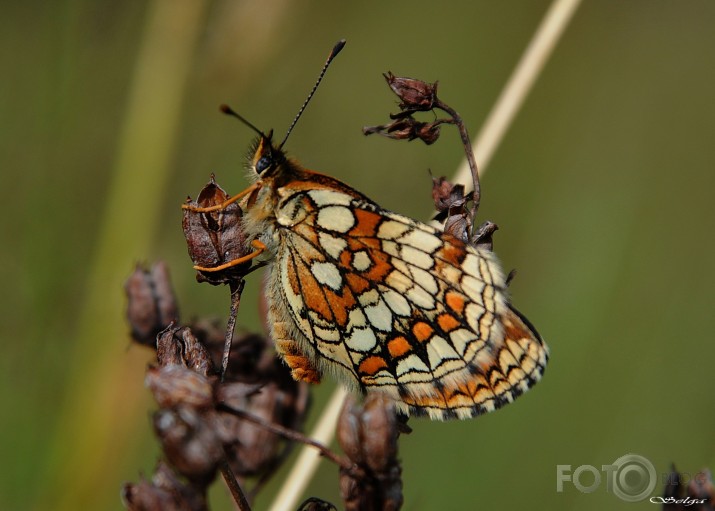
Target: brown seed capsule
<point>368,435</point>
<point>415,95</point>
<point>216,237</point>
<point>275,398</point>
<point>176,385</point>
<point>151,303</point>
<point>406,128</point>
<point>190,443</point>
<point>179,346</point>
<point>165,492</point>
<point>315,504</point>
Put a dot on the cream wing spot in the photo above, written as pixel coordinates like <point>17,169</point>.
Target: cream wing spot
<point>390,230</point>
<point>391,248</point>
<point>425,279</point>
<point>472,314</point>
<point>336,218</point>
<point>472,287</point>
<point>327,274</point>
<point>397,302</point>
<point>356,319</point>
<point>327,334</point>
<point>439,350</point>
<point>329,198</point>
<point>370,297</point>
<point>361,261</point>
<point>470,265</point>
<point>420,298</point>
<point>361,339</point>
<point>422,240</point>
<point>398,281</point>
<point>380,316</point>
<point>411,364</point>
<point>461,338</point>
<point>417,257</point>
<point>332,245</point>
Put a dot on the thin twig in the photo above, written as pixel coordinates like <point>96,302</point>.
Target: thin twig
<point>236,290</point>
<point>289,434</point>
<point>537,53</point>
<point>238,497</point>
<point>469,152</point>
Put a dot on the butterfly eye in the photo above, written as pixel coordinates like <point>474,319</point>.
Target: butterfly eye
<point>263,164</point>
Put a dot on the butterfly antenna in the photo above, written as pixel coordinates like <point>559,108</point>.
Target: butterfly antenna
<point>230,111</point>
<point>333,53</point>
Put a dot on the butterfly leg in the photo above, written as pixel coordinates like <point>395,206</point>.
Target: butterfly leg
<point>224,204</point>
<point>259,247</point>
<point>302,369</point>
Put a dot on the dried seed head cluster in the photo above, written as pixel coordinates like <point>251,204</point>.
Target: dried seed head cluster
<point>415,96</point>
<point>197,434</point>
<point>450,199</point>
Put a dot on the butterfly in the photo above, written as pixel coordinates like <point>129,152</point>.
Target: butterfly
<point>380,301</point>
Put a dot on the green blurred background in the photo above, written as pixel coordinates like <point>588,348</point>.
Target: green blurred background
<point>602,189</point>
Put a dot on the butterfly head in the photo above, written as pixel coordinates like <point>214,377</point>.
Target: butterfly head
<point>264,156</point>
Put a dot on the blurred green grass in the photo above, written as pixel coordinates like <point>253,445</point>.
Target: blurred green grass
<point>602,190</point>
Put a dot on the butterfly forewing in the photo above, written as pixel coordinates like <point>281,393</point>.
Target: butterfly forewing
<point>391,304</point>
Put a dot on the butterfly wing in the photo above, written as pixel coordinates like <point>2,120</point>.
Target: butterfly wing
<point>391,304</point>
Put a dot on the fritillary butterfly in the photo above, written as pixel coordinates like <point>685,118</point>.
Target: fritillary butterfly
<point>381,301</point>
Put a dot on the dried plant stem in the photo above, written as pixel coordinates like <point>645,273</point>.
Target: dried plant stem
<point>308,459</point>
<point>230,478</point>
<point>289,434</point>
<point>236,290</point>
<point>507,105</point>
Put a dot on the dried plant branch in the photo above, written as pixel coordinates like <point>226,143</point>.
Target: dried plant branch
<point>289,434</point>
<point>236,492</point>
<point>507,105</point>
<point>236,288</point>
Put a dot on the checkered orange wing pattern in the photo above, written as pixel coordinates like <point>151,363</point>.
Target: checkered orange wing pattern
<point>384,302</point>
<point>393,305</point>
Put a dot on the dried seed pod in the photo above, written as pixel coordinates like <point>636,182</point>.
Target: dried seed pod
<point>406,128</point>
<point>179,346</point>
<point>274,397</point>
<point>190,443</point>
<point>165,492</point>
<point>176,385</point>
<point>151,303</point>
<point>483,237</point>
<point>315,504</point>
<point>216,237</point>
<point>368,435</point>
<point>416,95</point>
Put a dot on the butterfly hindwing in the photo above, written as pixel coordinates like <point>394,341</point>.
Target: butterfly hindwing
<point>397,306</point>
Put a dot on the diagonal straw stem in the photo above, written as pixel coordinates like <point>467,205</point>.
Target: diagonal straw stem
<point>511,99</point>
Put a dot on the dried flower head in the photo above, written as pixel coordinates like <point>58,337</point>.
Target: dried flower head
<point>151,305</point>
<point>216,237</point>
<point>415,95</point>
<point>165,492</point>
<point>368,436</point>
